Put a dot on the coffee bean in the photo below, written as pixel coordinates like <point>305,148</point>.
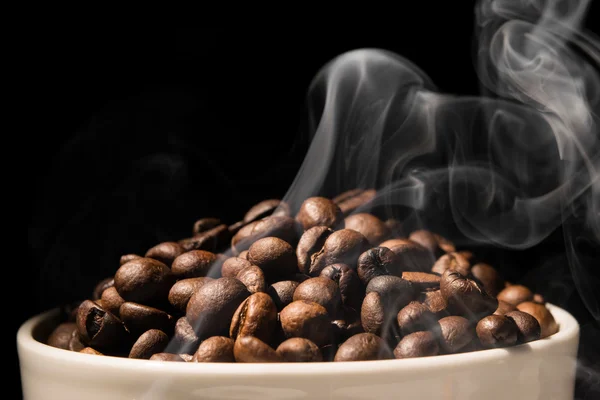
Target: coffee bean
<point>150,342</point>
<point>165,252</point>
<point>374,318</point>
<point>218,349</point>
<point>89,350</point>
<point>378,261</point>
<point>253,278</point>
<point>182,291</point>
<point>311,242</point>
<point>547,322</point>
<point>316,211</point>
<point>61,335</point>
<point>528,327</point>
<point>144,280</point>
<point>213,240</point>
<point>395,292</point>
<point>111,300</point>
<point>417,344</point>
<point>422,280</point>
<point>267,208</point>
<point>341,247</point>
<point>102,286</point>
<point>166,357</point>
<point>504,308</point>
<point>436,303</point>
<point>348,194</point>
<point>497,331</point>
<point>249,349</point>
<point>205,224</point>
<point>415,317</point>
<point>211,308</point>
<point>350,287</point>
<point>349,325</point>
<point>233,265</point>
<point>308,320</point>
<point>323,291</point>
<point>282,227</point>
<point>128,257</point>
<point>75,344</point>
<point>243,255</point>
<point>99,328</point>
<point>465,297</point>
<point>185,340</point>
<point>355,201</point>
<point>299,350</point>
<point>256,316</point>
<point>372,228</point>
<point>274,256</point>
<point>194,264</point>
<point>411,255</point>
<point>282,293</point>
<point>235,228</point>
<point>455,333</point>
<point>453,262</point>
<point>363,347</point>
<point>488,276</point>
<point>433,242</point>
<point>139,318</point>
<point>515,294</point>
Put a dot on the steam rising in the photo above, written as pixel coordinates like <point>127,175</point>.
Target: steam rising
<point>507,168</point>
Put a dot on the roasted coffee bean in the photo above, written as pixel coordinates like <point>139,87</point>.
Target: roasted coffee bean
<point>217,349</point>
<point>75,344</point>
<point>249,349</point>
<point>89,350</point>
<point>378,261</point>
<point>267,208</point>
<point>415,317</point>
<point>185,340</point>
<point>547,322</point>
<point>166,357</point>
<point>488,276</point>
<point>538,298</point>
<point>144,280</point>
<point>373,315</point>
<point>355,200</point>
<point>99,328</point>
<point>139,318</point>
<point>372,228</point>
<point>411,255</point>
<point>274,256</point>
<point>279,226</point>
<point>243,255</point>
<point>213,240</point>
<point>182,291</point>
<point>128,257</point>
<point>433,242</point>
<point>308,320</point>
<point>61,335</point>
<point>341,247</point>
<point>194,264</point>
<point>256,316</point>
<point>528,328</point>
<point>515,294</point>
<point>497,331</point>
<point>235,228</point>
<point>465,297</point>
<point>253,278</point>
<point>350,286</point>
<point>422,280</point>
<point>349,325</point>
<point>455,333</point>
<point>311,243</point>
<point>150,342</point>
<point>165,252</point>
<point>504,308</point>
<point>299,350</point>
<point>102,286</point>
<point>417,344</point>
<point>320,211</point>
<point>211,308</point>
<point>363,347</point>
<point>323,291</point>
<point>395,292</point>
<point>453,262</point>
<point>186,357</point>
<point>112,301</point>
<point>282,293</point>
<point>233,265</point>
<point>436,303</point>
<point>205,224</point>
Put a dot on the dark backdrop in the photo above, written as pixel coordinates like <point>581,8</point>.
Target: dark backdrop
<point>143,129</point>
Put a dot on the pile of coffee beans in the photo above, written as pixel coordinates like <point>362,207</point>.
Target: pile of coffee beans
<point>326,282</point>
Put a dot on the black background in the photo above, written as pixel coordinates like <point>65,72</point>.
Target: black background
<point>141,129</point>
